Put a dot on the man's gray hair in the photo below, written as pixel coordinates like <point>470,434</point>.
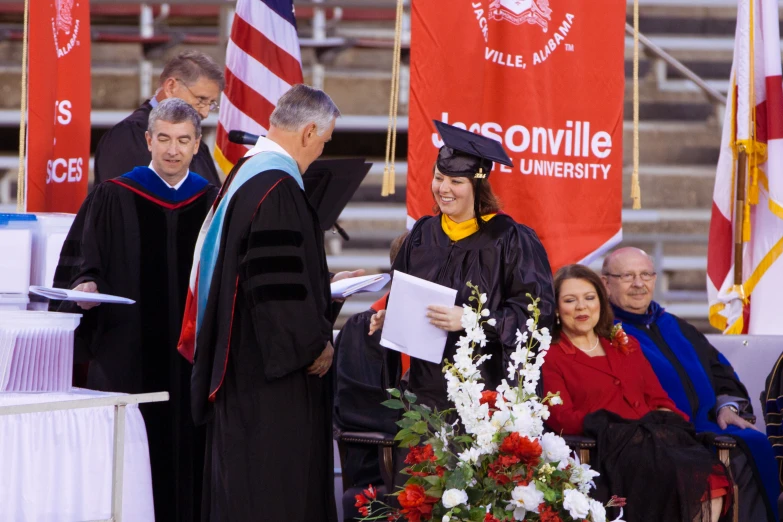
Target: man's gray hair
<point>175,110</point>
<point>302,105</point>
<point>189,66</point>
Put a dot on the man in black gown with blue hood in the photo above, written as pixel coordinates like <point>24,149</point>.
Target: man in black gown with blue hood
<point>134,237</point>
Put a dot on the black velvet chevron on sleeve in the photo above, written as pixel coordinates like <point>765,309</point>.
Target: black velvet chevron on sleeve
<point>283,278</point>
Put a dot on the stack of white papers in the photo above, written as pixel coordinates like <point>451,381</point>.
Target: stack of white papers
<point>354,285</point>
<point>406,328</point>
<point>36,351</point>
<point>61,294</point>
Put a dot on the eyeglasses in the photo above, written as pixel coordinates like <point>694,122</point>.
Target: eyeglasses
<point>201,102</point>
<point>629,277</point>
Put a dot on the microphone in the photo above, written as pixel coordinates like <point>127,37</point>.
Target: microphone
<point>242,137</point>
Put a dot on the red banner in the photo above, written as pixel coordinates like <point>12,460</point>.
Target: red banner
<point>58,133</point>
<point>546,81</point>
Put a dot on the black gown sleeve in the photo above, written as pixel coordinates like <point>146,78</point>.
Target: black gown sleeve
<point>281,275</point>
<point>527,271</point>
<point>120,150</point>
<point>722,375</point>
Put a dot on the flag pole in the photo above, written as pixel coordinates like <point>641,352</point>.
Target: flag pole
<point>739,217</point>
<point>21,190</point>
<point>387,187</point>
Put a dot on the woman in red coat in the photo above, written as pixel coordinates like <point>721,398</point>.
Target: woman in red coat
<point>646,448</point>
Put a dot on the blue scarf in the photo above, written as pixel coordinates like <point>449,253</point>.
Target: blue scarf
<point>639,326</point>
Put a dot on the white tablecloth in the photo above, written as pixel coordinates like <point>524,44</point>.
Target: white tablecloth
<point>57,466</point>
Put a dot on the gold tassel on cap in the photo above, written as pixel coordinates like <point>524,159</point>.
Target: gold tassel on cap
<point>636,190</point>
<point>387,187</point>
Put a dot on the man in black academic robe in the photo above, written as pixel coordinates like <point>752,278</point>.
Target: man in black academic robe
<point>264,324</point>
<point>191,76</point>
<point>134,237</point>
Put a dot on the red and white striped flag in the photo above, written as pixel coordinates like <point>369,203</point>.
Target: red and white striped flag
<point>263,61</point>
<point>754,120</point>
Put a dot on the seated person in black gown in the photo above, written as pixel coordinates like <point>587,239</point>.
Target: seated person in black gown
<point>359,391</point>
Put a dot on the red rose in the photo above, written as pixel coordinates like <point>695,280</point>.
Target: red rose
<point>440,470</point>
<point>419,454</point>
<point>528,451</point>
<point>416,504</point>
<point>489,397</point>
<point>498,470</point>
<point>547,514</point>
<point>491,518</point>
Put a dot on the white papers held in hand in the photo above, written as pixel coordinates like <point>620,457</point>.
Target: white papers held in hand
<point>61,294</point>
<point>354,285</point>
<point>407,328</point>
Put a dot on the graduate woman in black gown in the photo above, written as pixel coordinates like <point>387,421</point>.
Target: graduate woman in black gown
<point>471,240</point>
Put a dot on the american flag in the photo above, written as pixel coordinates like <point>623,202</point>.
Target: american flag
<point>753,121</point>
<point>263,61</point>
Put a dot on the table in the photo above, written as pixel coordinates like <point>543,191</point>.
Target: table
<point>57,466</point>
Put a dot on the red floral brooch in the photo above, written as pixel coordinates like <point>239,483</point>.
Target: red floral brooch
<point>620,338</point>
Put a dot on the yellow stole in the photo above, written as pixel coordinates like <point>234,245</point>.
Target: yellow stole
<point>457,231</point>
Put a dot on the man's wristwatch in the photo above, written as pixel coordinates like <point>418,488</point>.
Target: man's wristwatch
<point>732,408</point>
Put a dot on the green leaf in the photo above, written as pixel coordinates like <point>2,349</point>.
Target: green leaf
<point>465,439</point>
<point>550,495</point>
<point>394,392</point>
<point>419,427</point>
<point>410,440</point>
<point>433,480</point>
<point>402,434</point>
<point>393,404</point>
<point>415,415</point>
<point>410,397</point>
<point>434,492</point>
<point>477,514</point>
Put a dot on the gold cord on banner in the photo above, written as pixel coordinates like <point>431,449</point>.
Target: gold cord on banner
<point>20,183</point>
<point>636,190</point>
<point>387,188</point>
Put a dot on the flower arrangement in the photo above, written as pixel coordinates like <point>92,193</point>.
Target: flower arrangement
<point>494,463</point>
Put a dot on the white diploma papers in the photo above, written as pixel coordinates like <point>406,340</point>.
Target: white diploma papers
<point>60,294</point>
<point>353,285</point>
<point>407,328</point>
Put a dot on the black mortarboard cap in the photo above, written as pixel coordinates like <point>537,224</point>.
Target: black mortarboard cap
<point>466,153</point>
<point>330,184</point>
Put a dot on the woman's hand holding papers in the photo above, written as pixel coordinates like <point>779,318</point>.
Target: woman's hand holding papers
<point>91,287</point>
<point>376,321</point>
<point>447,318</point>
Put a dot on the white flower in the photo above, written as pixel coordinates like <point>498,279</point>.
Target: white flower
<point>521,337</point>
<point>597,511</point>
<point>491,322</point>
<point>526,497</point>
<point>530,323</point>
<point>453,498</point>
<point>470,456</point>
<point>445,518</point>
<point>576,503</point>
<point>469,318</point>
<point>582,475</point>
<point>483,298</point>
<point>554,448</point>
<point>485,313</point>
<point>554,401</point>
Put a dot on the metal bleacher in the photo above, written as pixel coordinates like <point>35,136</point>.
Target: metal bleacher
<point>346,49</point>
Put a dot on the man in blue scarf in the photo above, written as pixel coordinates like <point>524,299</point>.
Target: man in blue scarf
<point>696,376</point>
